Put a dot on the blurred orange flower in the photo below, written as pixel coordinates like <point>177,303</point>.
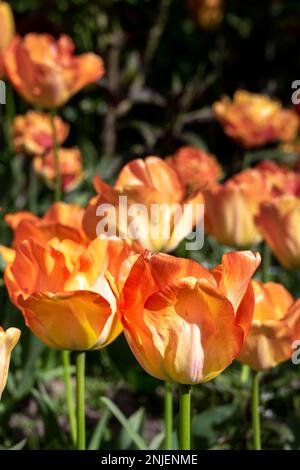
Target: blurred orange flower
<point>196,168</point>
<point>8,340</point>
<point>252,119</point>
<point>67,303</point>
<point>278,222</point>
<point>33,133</point>
<point>230,207</point>
<point>46,72</point>
<point>61,221</point>
<point>71,170</point>
<point>148,183</point>
<point>209,13</point>
<point>269,341</point>
<point>7,28</point>
<point>184,323</point>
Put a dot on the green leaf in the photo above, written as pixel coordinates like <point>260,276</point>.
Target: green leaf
<point>96,439</point>
<point>135,421</point>
<point>138,441</point>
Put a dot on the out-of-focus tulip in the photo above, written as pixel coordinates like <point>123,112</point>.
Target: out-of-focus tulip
<point>46,72</point>
<point>7,28</point>
<point>61,221</point>
<point>209,13</point>
<point>70,163</point>
<point>33,133</point>
<point>269,341</point>
<point>68,305</point>
<point>158,214</point>
<point>278,222</point>
<point>196,168</point>
<point>8,340</point>
<point>184,323</point>
<point>253,120</point>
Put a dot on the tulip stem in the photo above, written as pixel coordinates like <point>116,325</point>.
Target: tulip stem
<point>255,412</point>
<point>69,395</point>
<point>185,417</point>
<point>266,262</point>
<point>56,157</point>
<point>11,112</point>
<point>80,394</point>
<point>168,416</point>
<point>245,373</point>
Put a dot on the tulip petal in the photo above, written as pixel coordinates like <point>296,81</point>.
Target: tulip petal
<point>8,340</point>
<point>79,320</point>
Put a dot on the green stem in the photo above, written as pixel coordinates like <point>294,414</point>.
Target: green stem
<point>32,190</point>
<point>266,262</point>
<point>69,395</point>
<point>255,412</point>
<point>10,114</point>
<point>185,417</point>
<point>168,416</point>
<point>245,374</point>
<point>80,395</point>
<point>58,192</point>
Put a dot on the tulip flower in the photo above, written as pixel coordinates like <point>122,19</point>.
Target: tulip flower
<point>278,221</point>
<point>196,168</point>
<point>61,221</point>
<point>67,304</point>
<point>208,13</point>
<point>269,341</point>
<point>45,71</point>
<point>146,185</point>
<point>7,28</point>
<point>253,120</point>
<point>70,163</point>
<point>8,340</point>
<point>33,133</point>
<point>183,323</point>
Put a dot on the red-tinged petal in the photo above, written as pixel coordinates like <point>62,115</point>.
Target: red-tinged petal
<point>234,274</point>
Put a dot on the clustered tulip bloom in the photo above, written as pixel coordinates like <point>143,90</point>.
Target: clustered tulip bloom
<point>61,221</point>
<point>184,323</point>
<point>8,340</point>
<point>7,29</point>
<point>270,339</point>
<point>33,133</point>
<point>196,168</point>
<point>150,182</point>
<point>45,71</point>
<point>278,221</point>
<point>253,120</point>
<point>62,292</point>
<point>231,207</point>
<point>70,164</point>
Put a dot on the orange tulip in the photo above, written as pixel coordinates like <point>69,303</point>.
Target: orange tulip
<point>71,171</point>
<point>8,340</point>
<point>149,183</point>
<point>209,13</point>
<point>7,28</point>
<point>62,221</point>
<point>278,221</point>
<point>269,341</point>
<point>66,302</point>
<point>33,134</point>
<point>252,119</point>
<point>196,168</point>
<point>184,323</point>
<point>46,72</point>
